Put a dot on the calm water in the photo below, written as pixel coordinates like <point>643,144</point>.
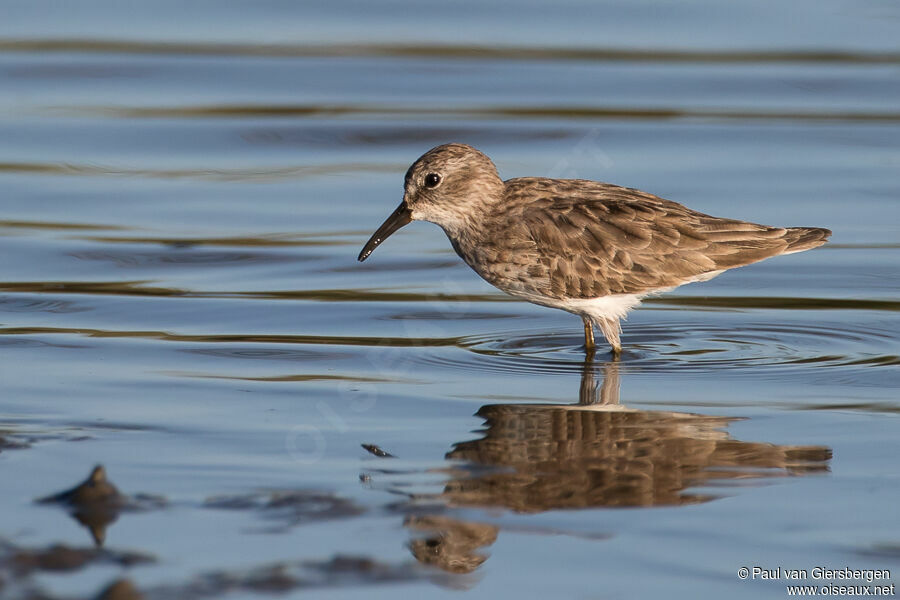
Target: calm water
<point>185,189</point>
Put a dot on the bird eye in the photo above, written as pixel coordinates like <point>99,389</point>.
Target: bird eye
<point>432,180</point>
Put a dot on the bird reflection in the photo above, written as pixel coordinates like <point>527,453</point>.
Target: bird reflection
<point>96,503</point>
<point>596,453</point>
<point>450,544</point>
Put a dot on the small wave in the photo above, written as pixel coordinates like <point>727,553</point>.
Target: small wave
<point>664,347</point>
<point>355,136</point>
<point>28,303</point>
<point>181,258</point>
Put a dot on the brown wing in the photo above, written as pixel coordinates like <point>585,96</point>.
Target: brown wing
<point>585,239</point>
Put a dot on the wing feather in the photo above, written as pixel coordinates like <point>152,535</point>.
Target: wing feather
<point>585,239</point>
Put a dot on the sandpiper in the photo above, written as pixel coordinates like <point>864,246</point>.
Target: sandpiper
<point>593,249</point>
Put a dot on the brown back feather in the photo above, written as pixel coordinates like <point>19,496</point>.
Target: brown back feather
<point>585,239</point>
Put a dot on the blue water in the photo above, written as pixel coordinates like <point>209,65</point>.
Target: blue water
<point>184,191</point>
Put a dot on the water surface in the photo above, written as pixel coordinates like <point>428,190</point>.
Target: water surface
<point>185,191</point>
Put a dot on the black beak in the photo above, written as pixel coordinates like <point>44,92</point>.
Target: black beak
<point>398,219</point>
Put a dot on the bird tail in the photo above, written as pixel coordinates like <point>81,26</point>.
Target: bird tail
<point>805,238</point>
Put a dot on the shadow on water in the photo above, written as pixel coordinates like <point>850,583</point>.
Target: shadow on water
<point>595,453</point>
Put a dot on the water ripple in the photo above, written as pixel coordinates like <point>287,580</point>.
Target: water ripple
<point>664,347</point>
<point>446,51</point>
<point>251,174</point>
<point>181,258</point>
<point>531,113</point>
<point>29,303</point>
<point>356,136</point>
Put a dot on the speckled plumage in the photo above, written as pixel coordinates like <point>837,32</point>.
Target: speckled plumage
<point>591,248</point>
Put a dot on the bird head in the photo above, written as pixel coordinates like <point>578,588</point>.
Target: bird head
<point>449,185</point>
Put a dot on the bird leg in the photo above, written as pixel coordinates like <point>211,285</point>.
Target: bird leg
<point>611,329</point>
<point>588,335</point>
